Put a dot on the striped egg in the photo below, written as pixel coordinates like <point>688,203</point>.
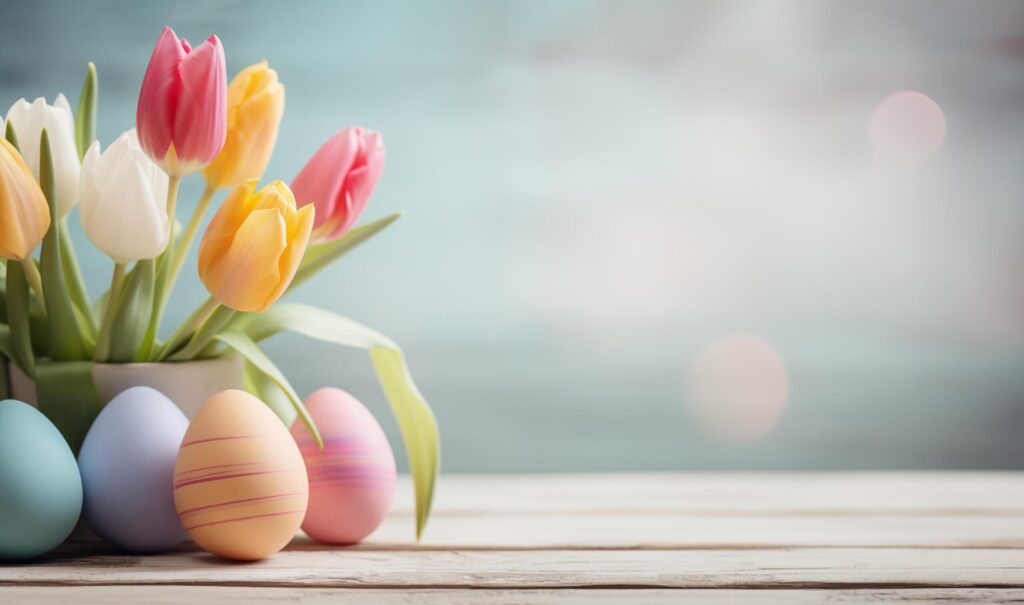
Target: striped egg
<point>240,485</point>
<point>352,479</point>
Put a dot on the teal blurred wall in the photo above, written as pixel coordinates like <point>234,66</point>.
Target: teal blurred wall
<point>596,191</point>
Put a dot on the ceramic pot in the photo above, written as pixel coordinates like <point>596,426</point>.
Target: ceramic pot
<point>187,383</point>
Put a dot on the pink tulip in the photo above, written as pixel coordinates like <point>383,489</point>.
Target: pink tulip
<point>182,113</point>
<point>339,179</point>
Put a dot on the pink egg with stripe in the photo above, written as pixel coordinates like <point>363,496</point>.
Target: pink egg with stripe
<point>352,479</point>
<point>240,486</point>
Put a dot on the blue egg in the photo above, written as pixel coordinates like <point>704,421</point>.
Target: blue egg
<point>40,488</point>
<point>127,464</point>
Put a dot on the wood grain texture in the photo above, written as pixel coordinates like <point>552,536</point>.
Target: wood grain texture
<point>652,538</point>
<point>176,595</point>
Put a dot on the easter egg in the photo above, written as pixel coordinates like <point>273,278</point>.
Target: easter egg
<point>40,488</point>
<point>240,485</point>
<point>352,479</point>
<point>127,465</point>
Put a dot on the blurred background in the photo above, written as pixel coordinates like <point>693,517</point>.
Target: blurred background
<point>643,235</point>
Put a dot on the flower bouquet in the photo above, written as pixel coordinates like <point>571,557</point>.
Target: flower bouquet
<point>261,243</point>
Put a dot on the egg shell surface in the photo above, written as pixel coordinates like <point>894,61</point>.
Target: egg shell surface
<point>352,479</point>
<point>127,465</point>
<point>40,487</point>
<point>240,486</point>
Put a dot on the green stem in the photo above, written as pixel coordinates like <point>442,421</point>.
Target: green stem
<point>160,289</point>
<point>190,233</point>
<point>35,281</point>
<point>189,327</point>
<point>107,323</point>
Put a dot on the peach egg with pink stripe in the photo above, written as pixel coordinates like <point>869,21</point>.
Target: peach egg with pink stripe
<point>240,485</point>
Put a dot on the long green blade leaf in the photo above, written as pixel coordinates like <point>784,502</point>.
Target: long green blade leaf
<point>5,387</point>
<point>131,317</point>
<point>85,113</point>
<point>260,385</point>
<point>254,355</point>
<point>66,338</point>
<point>319,256</point>
<point>6,344</point>
<point>18,318</point>
<point>414,416</point>
<point>11,136</point>
<point>76,285</point>
<point>67,396</point>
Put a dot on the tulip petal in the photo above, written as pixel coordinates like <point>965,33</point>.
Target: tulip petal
<point>122,201</point>
<point>24,214</point>
<point>322,180</point>
<point>248,274</point>
<point>201,119</point>
<point>292,256</point>
<point>158,99</point>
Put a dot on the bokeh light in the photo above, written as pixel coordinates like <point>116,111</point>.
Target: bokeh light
<point>907,128</point>
<point>738,389</point>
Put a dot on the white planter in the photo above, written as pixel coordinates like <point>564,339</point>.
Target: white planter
<point>188,383</point>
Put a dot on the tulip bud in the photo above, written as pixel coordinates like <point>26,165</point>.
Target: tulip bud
<point>122,200</point>
<point>28,121</point>
<point>339,179</point>
<point>255,107</point>
<point>253,246</point>
<point>24,215</point>
<point>181,117</point>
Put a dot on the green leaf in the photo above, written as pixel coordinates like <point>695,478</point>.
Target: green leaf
<point>11,136</point>
<point>76,285</point>
<point>131,317</point>
<point>415,419</point>
<point>67,396</point>
<point>18,318</point>
<point>66,341</point>
<point>260,385</point>
<point>254,355</point>
<point>5,387</point>
<point>319,256</point>
<point>6,344</point>
<point>3,292</point>
<point>206,333</point>
<point>418,425</point>
<point>85,114</point>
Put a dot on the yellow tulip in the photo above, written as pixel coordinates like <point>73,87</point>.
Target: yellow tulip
<point>253,246</point>
<point>255,107</point>
<point>24,215</point>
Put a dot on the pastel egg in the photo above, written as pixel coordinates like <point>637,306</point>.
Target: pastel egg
<point>240,486</point>
<point>127,465</point>
<point>352,479</point>
<point>40,488</point>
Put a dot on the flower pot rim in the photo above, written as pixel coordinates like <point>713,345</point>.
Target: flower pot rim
<point>154,364</point>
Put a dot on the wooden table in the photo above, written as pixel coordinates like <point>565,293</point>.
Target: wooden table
<point>629,538</point>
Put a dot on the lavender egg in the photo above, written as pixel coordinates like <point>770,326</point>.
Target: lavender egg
<point>352,479</point>
<point>127,467</point>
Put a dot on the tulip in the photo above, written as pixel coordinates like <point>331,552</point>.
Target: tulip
<point>340,178</point>
<point>122,200</point>
<point>28,121</point>
<point>253,246</point>
<point>255,107</point>
<point>181,117</point>
<point>24,215</point>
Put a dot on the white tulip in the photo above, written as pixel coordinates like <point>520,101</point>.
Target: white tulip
<point>29,120</point>
<point>123,197</point>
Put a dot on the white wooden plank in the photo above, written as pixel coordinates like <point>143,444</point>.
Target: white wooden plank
<point>176,595</point>
<point>803,568</point>
<point>720,493</point>
<point>662,530</point>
